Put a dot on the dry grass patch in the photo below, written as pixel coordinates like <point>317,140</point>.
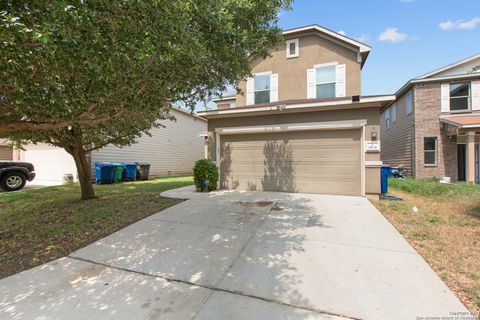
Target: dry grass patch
<point>445,231</point>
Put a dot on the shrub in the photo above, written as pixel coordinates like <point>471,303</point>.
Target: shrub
<point>205,170</point>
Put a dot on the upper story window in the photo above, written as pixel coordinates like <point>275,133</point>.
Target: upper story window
<point>393,111</point>
<point>326,81</point>
<point>292,48</point>
<point>409,102</point>
<point>460,96</point>
<point>262,88</point>
<point>387,118</point>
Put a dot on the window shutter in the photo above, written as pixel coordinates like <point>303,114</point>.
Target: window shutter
<point>340,88</point>
<point>475,95</point>
<point>445,92</point>
<point>274,87</point>
<point>311,83</point>
<point>250,93</point>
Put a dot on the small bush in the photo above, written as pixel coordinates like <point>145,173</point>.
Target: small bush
<point>205,170</point>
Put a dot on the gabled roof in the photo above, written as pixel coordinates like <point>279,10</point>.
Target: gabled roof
<point>190,114</point>
<point>362,48</point>
<point>315,27</point>
<point>433,76</point>
<point>448,67</point>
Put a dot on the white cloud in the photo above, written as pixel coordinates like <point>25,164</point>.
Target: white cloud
<point>460,24</point>
<point>343,33</point>
<point>364,38</point>
<point>393,35</point>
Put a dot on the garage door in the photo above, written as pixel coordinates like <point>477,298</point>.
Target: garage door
<point>6,153</point>
<point>326,162</point>
<point>50,163</point>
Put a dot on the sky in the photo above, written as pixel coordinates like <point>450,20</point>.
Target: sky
<point>408,37</point>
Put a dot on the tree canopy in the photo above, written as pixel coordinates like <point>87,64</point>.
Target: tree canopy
<point>83,74</point>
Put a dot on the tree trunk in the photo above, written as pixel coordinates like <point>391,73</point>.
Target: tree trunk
<point>80,156</point>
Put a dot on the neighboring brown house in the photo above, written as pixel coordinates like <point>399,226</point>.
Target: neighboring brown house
<point>6,151</point>
<point>432,129</point>
<point>301,124</point>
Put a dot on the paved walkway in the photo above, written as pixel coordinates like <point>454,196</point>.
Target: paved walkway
<point>239,255</point>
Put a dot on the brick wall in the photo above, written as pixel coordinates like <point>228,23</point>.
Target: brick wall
<point>427,124</point>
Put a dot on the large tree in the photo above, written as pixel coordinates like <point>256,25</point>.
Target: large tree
<point>80,74</point>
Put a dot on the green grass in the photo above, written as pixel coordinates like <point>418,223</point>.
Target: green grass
<point>432,188</point>
<point>39,225</point>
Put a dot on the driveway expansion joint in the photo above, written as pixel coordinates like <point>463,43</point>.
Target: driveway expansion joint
<point>215,289</point>
<point>198,225</point>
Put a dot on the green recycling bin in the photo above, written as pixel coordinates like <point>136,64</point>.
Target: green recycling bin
<point>118,172</point>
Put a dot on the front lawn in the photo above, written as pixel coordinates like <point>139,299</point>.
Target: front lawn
<point>40,225</point>
<point>445,230</point>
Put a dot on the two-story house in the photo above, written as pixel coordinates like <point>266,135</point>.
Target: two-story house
<point>431,130</point>
<point>299,124</point>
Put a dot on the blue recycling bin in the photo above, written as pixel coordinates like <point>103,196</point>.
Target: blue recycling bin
<point>103,172</point>
<point>385,173</point>
<point>130,171</point>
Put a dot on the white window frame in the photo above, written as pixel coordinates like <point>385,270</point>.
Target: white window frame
<point>469,97</point>
<point>394,112</point>
<point>435,152</point>
<point>297,48</point>
<point>387,118</point>
<point>325,65</point>
<point>267,73</point>
<point>409,102</point>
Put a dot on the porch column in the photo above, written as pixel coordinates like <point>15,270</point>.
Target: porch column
<point>470,157</point>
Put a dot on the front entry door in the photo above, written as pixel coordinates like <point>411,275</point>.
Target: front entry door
<point>461,162</point>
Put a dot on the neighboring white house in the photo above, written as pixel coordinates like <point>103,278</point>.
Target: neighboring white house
<point>171,150</point>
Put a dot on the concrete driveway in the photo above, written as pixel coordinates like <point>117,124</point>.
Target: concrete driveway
<point>239,255</point>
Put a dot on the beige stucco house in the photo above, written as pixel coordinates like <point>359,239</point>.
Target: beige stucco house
<point>433,127</point>
<point>300,123</point>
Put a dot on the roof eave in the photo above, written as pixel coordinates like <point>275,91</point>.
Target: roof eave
<point>459,125</point>
<point>193,115</point>
<point>228,98</point>
<point>366,102</point>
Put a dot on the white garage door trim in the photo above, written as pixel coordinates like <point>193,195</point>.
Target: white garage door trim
<point>286,127</point>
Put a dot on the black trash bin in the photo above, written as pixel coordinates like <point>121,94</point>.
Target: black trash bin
<point>143,170</point>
